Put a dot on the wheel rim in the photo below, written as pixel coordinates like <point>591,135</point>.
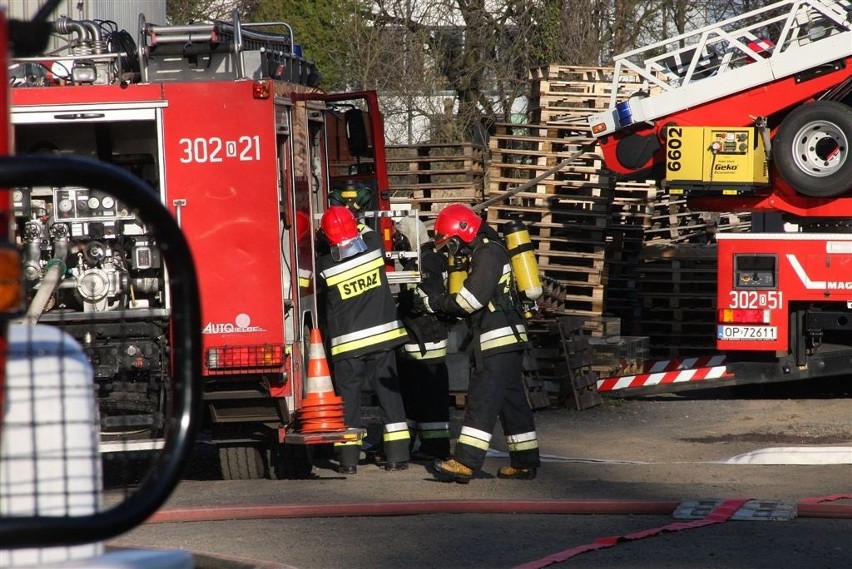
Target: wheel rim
<point>820,148</point>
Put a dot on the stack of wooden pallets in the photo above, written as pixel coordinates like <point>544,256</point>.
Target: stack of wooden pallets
<point>598,240</point>
<point>634,277</point>
<point>429,176</point>
<point>560,91</point>
<point>568,214</point>
<point>676,286</point>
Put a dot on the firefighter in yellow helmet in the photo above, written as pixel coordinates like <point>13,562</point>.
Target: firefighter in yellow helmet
<point>359,316</point>
<point>354,195</point>
<point>489,302</point>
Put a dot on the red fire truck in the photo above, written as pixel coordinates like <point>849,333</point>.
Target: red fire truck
<point>226,123</point>
<point>754,113</point>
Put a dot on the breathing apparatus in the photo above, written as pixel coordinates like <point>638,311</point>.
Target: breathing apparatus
<point>457,267</point>
<point>522,256</point>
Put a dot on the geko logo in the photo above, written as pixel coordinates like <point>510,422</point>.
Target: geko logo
<point>725,167</point>
<point>242,323</point>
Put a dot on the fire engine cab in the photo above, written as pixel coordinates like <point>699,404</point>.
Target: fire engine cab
<point>754,113</point>
<point>225,122</point>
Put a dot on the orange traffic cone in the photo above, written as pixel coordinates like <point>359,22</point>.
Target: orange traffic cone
<point>321,410</point>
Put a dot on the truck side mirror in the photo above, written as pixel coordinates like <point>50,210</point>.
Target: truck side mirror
<point>357,135</point>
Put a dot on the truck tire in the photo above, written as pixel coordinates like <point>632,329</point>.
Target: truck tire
<point>811,149</point>
<point>290,462</point>
<point>241,462</point>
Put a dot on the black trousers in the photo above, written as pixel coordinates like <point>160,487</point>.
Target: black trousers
<point>426,393</point>
<point>379,370</point>
<point>497,389</point>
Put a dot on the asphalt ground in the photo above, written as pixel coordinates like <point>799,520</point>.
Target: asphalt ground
<point>613,462</point>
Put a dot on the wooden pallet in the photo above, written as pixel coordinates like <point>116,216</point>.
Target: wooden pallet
<point>633,203</point>
<point>594,235</point>
<point>581,379</point>
<point>676,287</point>
<point>554,366</point>
<point>429,176</point>
<point>552,142</point>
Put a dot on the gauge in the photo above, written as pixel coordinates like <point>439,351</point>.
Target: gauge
<point>108,202</point>
<point>17,196</point>
<point>93,202</point>
<point>66,205</point>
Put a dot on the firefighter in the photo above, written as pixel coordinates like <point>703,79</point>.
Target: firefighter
<point>423,360</point>
<point>363,331</point>
<point>489,301</point>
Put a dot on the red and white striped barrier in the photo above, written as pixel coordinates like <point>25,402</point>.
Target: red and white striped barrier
<point>664,377</point>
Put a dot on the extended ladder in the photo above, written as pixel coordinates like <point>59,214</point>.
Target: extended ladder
<point>764,45</point>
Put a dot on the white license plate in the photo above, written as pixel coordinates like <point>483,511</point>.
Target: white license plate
<point>747,333</point>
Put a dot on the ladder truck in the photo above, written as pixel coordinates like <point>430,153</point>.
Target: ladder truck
<point>752,114</point>
<point>225,122</point>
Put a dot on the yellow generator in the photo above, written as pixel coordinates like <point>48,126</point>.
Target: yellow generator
<point>728,161</point>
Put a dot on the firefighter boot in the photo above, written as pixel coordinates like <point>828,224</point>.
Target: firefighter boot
<point>512,473</point>
<point>348,456</point>
<point>451,470</point>
<point>394,466</point>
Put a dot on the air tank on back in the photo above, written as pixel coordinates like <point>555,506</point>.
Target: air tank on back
<point>522,255</point>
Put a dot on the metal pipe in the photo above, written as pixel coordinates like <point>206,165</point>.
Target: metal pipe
<point>180,38</point>
<point>152,29</point>
<point>65,25</point>
<point>94,30</point>
<point>238,45</point>
<point>53,274</point>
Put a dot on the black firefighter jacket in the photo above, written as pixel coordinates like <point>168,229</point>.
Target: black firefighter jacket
<point>487,298</point>
<point>360,313</point>
<point>428,331</point>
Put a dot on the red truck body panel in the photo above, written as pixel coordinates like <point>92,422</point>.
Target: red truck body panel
<point>810,268</point>
<point>221,162</point>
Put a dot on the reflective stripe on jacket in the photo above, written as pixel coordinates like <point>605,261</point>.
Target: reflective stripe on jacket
<point>360,313</point>
<point>486,297</point>
<point>428,334</point>
<point>428,351</point>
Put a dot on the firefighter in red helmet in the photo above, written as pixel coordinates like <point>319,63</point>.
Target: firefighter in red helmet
<point>490,303</point>
<point>341,231</point>
<point>363,330</point>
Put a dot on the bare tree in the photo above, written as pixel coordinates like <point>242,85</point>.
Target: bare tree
<point>448,69</point>
<point>189,11</point>
<point>484,49</point>
<point>477,52</point>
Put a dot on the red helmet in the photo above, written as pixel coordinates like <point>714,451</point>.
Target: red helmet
<point>456,220</point>
<point>339,225</point>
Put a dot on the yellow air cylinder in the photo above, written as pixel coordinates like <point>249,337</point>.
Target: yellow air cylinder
<point>457,269</point>
<point>522,255</point>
